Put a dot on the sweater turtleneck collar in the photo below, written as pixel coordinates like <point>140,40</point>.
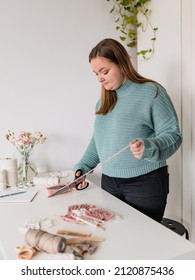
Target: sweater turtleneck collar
<point>125,88</point>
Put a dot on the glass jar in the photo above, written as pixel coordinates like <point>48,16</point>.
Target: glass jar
<point>26,169</point>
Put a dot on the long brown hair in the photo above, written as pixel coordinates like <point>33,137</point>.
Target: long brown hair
<point>115,52</point>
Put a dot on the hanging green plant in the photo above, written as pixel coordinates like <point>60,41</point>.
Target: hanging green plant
<point>133,16</point>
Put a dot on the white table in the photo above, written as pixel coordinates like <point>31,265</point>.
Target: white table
<point>134,237</point>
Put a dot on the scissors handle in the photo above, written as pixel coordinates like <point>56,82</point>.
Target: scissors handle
<point>80,189</point>
<point>80,182</point>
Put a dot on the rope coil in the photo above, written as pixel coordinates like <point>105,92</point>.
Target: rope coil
<point>44,241</point>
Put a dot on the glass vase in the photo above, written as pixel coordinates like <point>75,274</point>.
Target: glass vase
<point>26,169</point>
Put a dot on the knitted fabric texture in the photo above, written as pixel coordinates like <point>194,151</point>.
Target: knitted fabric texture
<point>140,113</point>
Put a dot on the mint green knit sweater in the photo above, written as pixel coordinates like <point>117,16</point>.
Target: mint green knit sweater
<point>138,114</point>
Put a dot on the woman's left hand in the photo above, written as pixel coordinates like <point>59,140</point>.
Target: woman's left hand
<point>137,148</point>
<point>82,183</point>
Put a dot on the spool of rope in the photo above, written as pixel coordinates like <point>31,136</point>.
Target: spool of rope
<point>3,180</point>
<point>10,165</point>
<point>44,241</point>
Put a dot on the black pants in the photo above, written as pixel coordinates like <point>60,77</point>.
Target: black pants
<point>147,193</point>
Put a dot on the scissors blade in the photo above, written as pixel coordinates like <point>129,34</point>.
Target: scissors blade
<point>56,187</point>
<point>62,189</point>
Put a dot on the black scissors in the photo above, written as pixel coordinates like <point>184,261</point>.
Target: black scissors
<point>61,188</point>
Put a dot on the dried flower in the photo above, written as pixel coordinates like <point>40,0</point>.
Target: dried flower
<point>25,141</point>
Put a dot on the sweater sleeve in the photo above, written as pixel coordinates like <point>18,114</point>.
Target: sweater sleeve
<point>90,158</point>
<point>167,136</point>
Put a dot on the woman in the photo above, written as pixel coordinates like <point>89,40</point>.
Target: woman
<point>135,110</point>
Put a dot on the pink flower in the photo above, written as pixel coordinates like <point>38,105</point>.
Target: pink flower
<point>25,141</point>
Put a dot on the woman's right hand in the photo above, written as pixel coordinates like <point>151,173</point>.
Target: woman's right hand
<point>137,148</point>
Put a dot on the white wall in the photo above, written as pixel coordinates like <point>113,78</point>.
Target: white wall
<point>188,113</point>
<point>192,63</point>
<point>46,82</point>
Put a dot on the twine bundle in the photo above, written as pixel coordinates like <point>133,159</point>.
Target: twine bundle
<point>10,166</point>
<point>44,241</point>
<point>3,180</point>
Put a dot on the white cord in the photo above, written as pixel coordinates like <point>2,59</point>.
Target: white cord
<point>101,163</point>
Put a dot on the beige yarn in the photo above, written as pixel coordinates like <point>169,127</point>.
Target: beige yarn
<point>44,241</point>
